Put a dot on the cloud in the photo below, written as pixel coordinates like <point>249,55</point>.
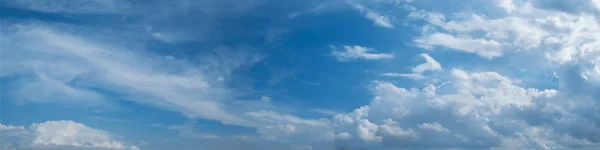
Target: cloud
<point>11,127</point>
<point>265,99</point>
<point>317,9</point>
<point>105,65</point>
<point>367,131</point>
<point>433,126</point>
<point>171,37</point>
<point>324,111</point>
<point>188,130</point>
<point>343,135</point>
<point>564,40</point>
<point>65,134</point>
<point>391,128</point>
<point>483,109</point>
<point>409,75</point>
<point>507,5</point>
<point>377,18</point>
<point>430,65</point>
<point>482,47</point>
<point>357,52</point>
<point>472,111</point>
<point>77,64</point>
<point>69,133</point>
<point>417,72</point>
<point>460,32</point>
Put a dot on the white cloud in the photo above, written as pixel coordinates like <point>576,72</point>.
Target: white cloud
<point>430,65</point>
<point>99,63</point>
<point>318,9</point>
<point>270,117</point>
<point>508,5</point>
<point>417,72</point>
<point>377,18</point>
<point>478,110</point>
<point>324,112</point>
<point>367,131</point>
<point>409,75</point>
<point>482,47</point>
<point>134,148</point>
<point>11,130</point>
<point>188,130</point>
<point>433,126</point>
<point>358,52</point>
<point>343,135</point>
<point>11,127</point>
<point>463,31</point>
<point>390,127</point>
<point>171,37</point>
<point>265,99</point>
<point>484,102</point>
<point>596,3</point>
<point>565,40</point>
<point>291,129</point>
<point>65,134</point>
<point>69,133</point>
<point>111,66</point>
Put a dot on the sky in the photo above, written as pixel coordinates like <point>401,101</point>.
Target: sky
<point>299,74</point>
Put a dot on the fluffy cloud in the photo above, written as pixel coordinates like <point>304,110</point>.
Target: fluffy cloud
<point>65,134</point>
<point>391,128</point>
<point>69,133</point>
<point>11,127</point>
<point>357,52</point>
<point>470,112</point>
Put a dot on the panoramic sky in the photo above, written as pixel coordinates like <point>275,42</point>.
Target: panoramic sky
<point>299,74</point>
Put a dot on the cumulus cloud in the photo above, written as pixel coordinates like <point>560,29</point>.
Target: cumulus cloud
<point>391,128</point>
<point>417,72</point>
<point>473,107</point>
<point>65,134</point>
<point>69,133</point>
<point>11,127</point>
<point>357,52</point>
<point>367,131</point>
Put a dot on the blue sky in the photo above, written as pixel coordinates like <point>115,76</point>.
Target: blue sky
<point>310,74</point>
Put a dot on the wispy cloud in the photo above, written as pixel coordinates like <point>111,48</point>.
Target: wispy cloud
<point>377,18</point>
<point>357,52</point>
<point>482,47</point>
<point>193,91</point>
<point>417,72</point>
